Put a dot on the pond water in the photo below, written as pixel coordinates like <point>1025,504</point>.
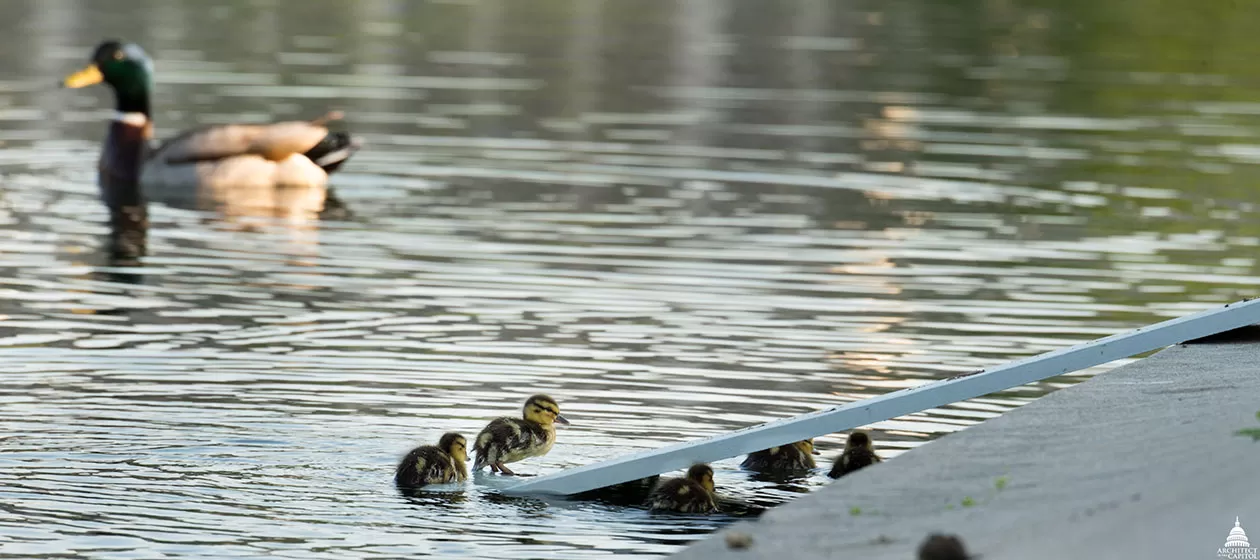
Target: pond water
<point>677,217</point>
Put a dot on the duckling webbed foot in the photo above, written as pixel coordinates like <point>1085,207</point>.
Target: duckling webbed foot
<point>501,468</point>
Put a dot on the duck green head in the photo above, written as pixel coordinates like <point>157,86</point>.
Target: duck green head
<point>125,68</point>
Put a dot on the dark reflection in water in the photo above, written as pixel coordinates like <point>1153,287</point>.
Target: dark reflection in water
<point>797,483</point>
<point>678,217</point>
<point>634,493</point>
<point>427,500</point>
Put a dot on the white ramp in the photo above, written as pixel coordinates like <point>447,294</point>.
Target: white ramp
<point>897,403</point>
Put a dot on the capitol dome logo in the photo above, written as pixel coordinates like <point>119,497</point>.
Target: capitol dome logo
<point>1237,547</point>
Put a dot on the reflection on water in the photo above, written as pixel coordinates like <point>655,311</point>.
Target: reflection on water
<point>678,221</point>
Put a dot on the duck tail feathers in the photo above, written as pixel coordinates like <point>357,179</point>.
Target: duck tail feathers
<point>334,150</point>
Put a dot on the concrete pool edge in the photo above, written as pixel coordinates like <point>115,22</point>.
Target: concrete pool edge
<point>1142,460</point>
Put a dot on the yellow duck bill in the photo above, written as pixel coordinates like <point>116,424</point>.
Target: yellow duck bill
<point>83,78</point>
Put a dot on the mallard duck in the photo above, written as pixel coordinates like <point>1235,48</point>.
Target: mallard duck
<point>440,464</point>
<point>944,547</point>
<point>784,459</point>
<point>693,493</point>
<point>508,440</point>
<point>858,453</point>
<point>243,158</point>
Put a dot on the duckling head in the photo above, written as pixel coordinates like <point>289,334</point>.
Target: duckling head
<point>807,447</point>
<point>454,445</point>
<point>703,474</point>
<point>544,410</point>
<point>858,440</point>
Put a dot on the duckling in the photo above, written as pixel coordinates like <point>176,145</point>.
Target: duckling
<point>858,453</point>
<point>249,160</point>
<point>944,547</point>
<point>438,464</point>
<point>785,459</point>
<point>693,493</point>
<point>508,440</point>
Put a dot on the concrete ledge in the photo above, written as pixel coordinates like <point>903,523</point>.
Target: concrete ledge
<point>1139,462</point>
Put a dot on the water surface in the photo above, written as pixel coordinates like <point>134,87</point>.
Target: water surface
<point>678,218</point>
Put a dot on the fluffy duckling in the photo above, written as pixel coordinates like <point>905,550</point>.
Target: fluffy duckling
<point>858,453</point>
<point>693,493</point>
<point>508,440</point>
<point>438,464</point>
<point>784,459</point>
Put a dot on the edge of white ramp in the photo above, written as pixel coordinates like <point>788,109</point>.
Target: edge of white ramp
<point>894,404</point>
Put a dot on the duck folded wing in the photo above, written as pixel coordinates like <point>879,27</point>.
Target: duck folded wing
<point>274,142</point>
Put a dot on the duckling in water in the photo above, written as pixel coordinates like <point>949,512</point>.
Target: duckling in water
<point>784,459</point>
<point>693,493</point>
<point>438,464</point>
<point>508,440</point>
<point>858,453</point>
